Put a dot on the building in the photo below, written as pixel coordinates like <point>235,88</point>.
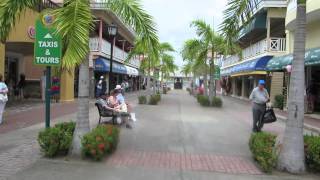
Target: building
<point>260,39</point>
<point>16,55</point>
<point>278,65</point>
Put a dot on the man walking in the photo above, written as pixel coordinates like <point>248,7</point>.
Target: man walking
<point>259,97</point>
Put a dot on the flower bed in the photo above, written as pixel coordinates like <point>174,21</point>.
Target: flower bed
<point>56,140</point>
<point>100,141</point>
<point>262,146</point>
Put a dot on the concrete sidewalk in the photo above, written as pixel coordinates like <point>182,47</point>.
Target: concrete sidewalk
<point>176,140</point>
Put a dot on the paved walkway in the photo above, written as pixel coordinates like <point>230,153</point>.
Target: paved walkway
<point>176,140</point>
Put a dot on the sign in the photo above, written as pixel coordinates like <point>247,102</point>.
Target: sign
<point>47,47</point>
<point>216,73</point>
<point>31,32</point>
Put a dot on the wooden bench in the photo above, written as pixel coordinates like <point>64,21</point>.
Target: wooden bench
<point>109,112</point>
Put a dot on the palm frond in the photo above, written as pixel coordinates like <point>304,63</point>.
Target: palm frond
<point>74,22</point>
<point>132,13</point>
<point>10,12</point>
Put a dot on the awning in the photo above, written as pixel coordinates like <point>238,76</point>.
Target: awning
<point>249,73</point>
<point>257,23</point>
<point>102,65</point>
<point>312,57</point>
<point>132,71</point>
<point>247,66</point>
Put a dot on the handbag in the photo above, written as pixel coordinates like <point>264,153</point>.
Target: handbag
<point>269,116</point>
<point>3,98</point>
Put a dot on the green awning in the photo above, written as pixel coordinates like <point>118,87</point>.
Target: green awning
<point>258,22</point>
<point>312,57</point>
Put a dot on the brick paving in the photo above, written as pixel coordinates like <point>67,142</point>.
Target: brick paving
<point>182,161</point>
<point>18,158</point>
<point>35,115</point>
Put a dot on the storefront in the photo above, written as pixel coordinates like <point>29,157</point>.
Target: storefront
<point>120,73</point>
<point>312,76</point>
<point>245,75</point>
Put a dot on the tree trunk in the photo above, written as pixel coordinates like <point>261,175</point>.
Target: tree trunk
<point>149,79</point>
<point>292,157</point>
<point>205,81</point>
<point>211,85</point>
<point>82,123</point>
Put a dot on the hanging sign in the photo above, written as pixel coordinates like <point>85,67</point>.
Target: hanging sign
<point>47,47</point>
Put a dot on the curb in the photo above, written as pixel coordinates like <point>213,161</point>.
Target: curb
<point>305,126</point>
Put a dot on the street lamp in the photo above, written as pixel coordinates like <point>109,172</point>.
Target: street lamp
<point>112,31</point>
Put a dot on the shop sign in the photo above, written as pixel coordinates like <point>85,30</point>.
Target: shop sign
<point>216,73</point>
<point>31,32</point>
<point>47,48</point>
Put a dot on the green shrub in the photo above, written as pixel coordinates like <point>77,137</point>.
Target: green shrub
<point>158,97</point>
<point>262,148</point>
<point>204,101</point>
<point>312,152</point>
<point>216,102</point>
<point>164,90</point>
<point>153,100</point>
<point>57,140</point>
<point>142,99</point>
<point>199,96</point>
<point>66,126</point>
<point>100,141</point>
<point>278,101</point>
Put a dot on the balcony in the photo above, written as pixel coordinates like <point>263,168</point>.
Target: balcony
<point>263,47</point>
<point>118,54</point>
<point>272,45</point>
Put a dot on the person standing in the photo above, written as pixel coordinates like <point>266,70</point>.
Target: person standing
<point>21,85</point>
<point>101,87</point>
<point>3,97</point>
<point>259,97</point>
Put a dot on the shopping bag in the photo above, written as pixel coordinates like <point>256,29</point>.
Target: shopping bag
<point>269,116</point>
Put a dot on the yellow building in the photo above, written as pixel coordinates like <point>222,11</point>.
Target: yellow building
<point>16,55</point>
<point>312,57</point>
<point>261,39</point>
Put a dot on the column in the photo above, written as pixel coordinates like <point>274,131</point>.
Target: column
<point>243,87</point>
<point>268,33</point>
<point>234,88</point>
<point>67,85</point>
<point>2,58</point>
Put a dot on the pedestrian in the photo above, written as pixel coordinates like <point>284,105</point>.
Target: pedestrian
<point>259,98</point>
<point>312,94</point>
<point>21,85</point>
<point>3,97</point>
<point>101,87</point>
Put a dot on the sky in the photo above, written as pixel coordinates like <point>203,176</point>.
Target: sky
<point>173,18</point>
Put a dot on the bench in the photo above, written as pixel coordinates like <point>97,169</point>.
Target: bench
<point>109,112</point>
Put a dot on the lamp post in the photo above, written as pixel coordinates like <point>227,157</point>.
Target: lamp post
<point>112,31</point>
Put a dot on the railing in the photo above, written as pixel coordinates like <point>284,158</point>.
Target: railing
<point>45,4</point>
<point>259,48</point>
<point>118,54</point>
<point>230,60</point>
<point>266,45</point>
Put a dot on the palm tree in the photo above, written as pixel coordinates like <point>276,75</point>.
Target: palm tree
<point>166,60</point>
<point>211,43</point>
<point>74,21</point>
<point>195,52</point>
<point>292,158</point>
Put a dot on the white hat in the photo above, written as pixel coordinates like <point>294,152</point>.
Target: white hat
<point>118,87</point>
<point>101,77</point>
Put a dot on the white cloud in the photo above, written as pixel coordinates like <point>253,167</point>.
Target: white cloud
<point>173,18</point>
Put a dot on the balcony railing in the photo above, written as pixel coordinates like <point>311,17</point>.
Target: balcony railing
<point>272,45</point>
<point>118,54</point>
<point>266,45</point>
<point>46,4</point>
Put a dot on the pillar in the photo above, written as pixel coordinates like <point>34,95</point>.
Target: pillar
<point>243,87</point>
<point>67,85</point>
<point>2,59</point>
<point>276,85</point>
<point>268,33</point>
<point>234,87</point>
